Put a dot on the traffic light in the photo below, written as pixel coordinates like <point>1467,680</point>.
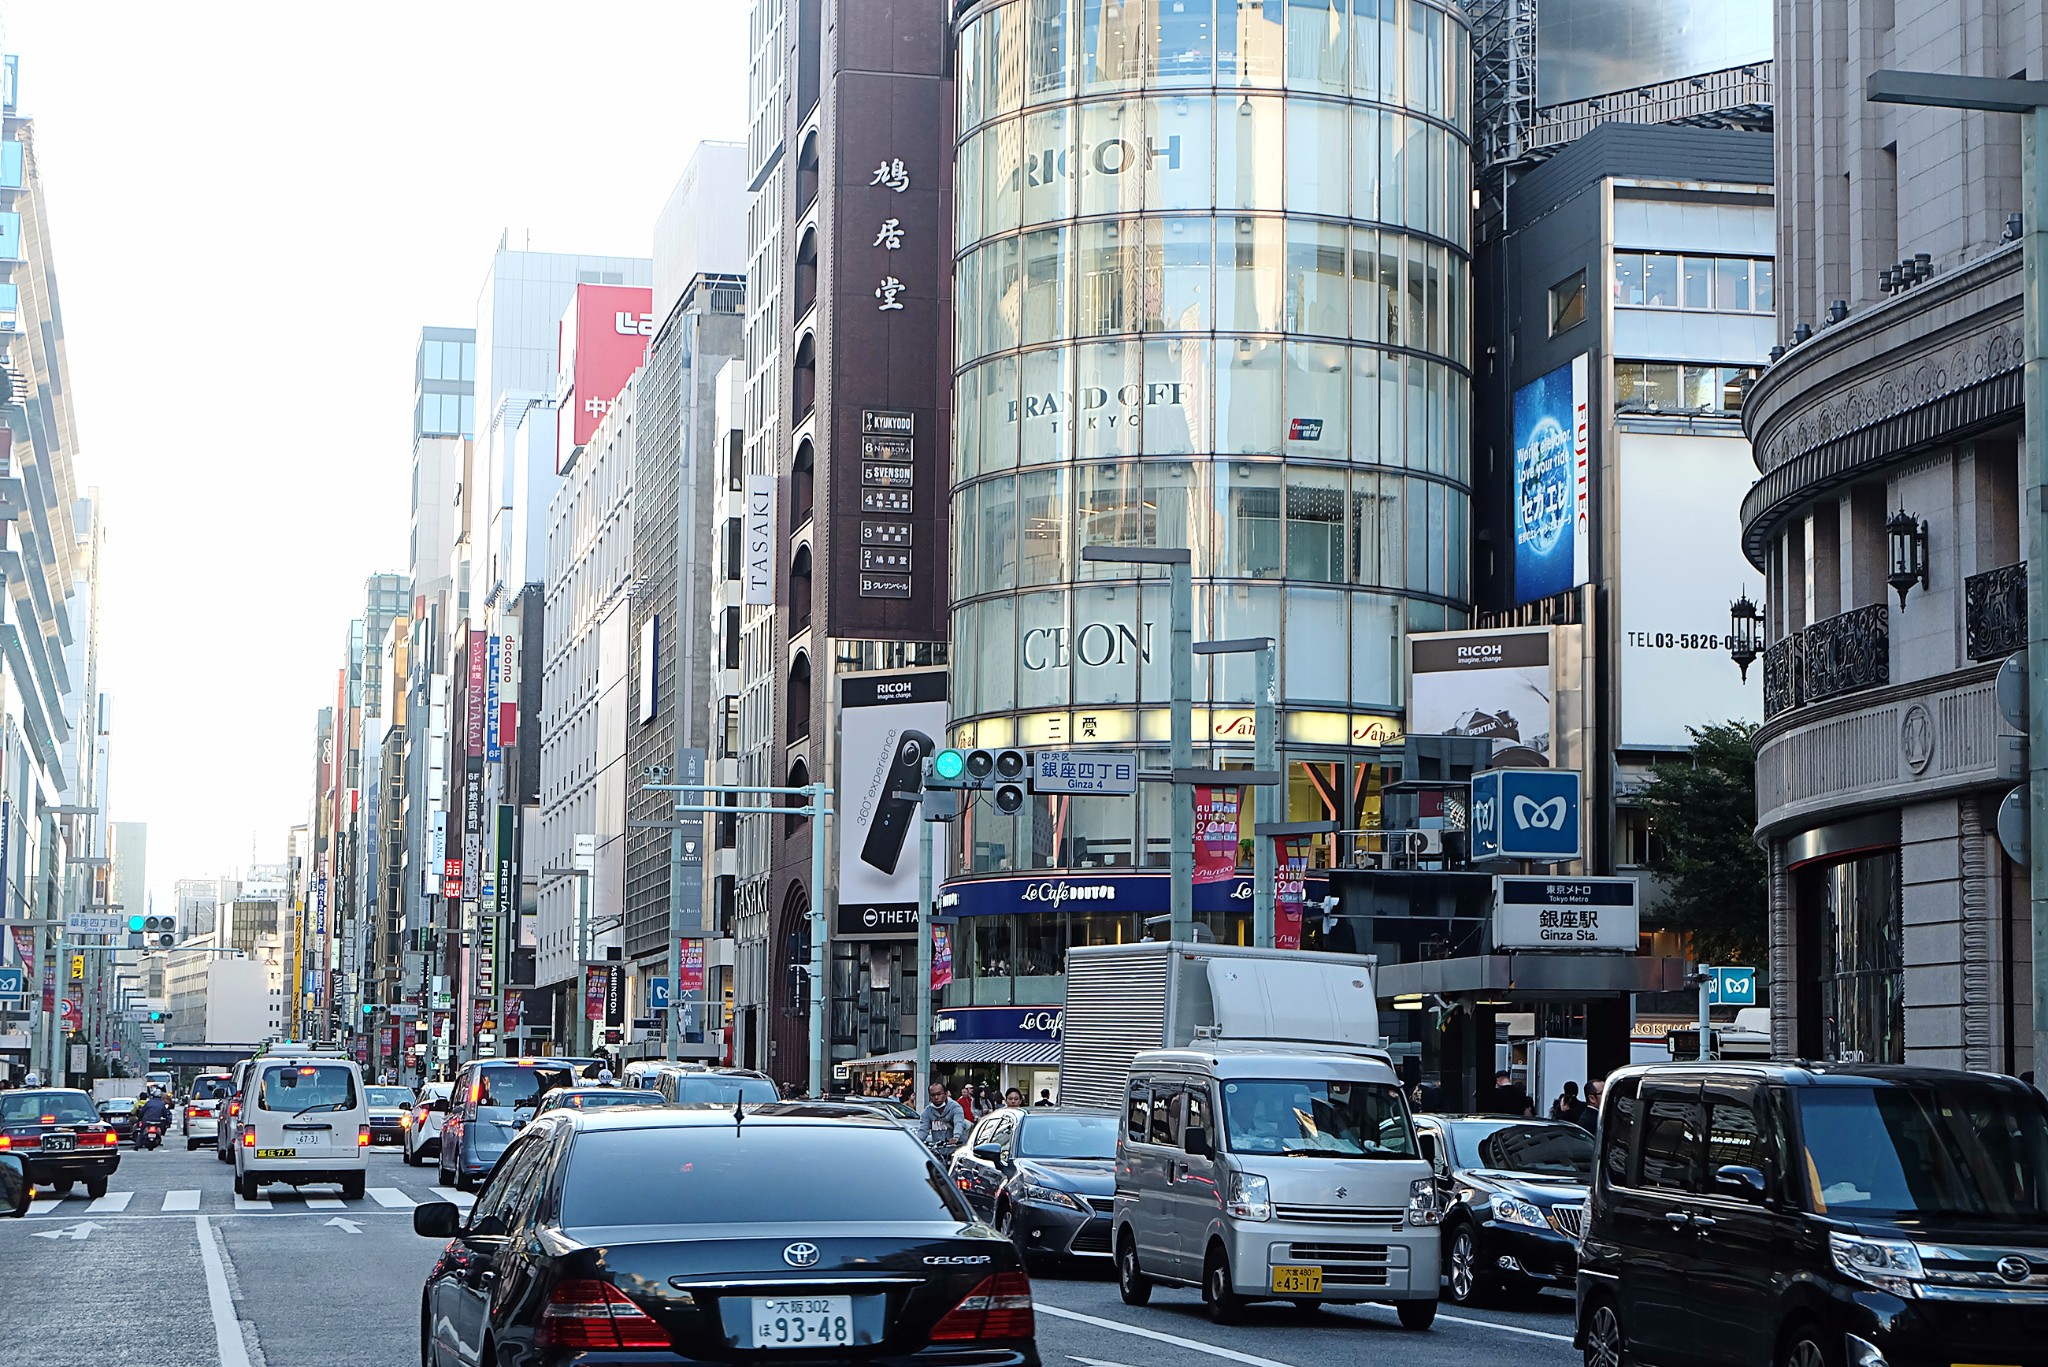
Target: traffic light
<point>1000,772</point>
<point>156,1017</point>
<point>135,932</point>
<point>160,931</point>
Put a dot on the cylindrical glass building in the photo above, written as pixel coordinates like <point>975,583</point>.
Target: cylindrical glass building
<point>1211,291</point>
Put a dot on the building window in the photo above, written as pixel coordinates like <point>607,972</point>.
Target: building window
<point>1635,843</point>
<point>1667,387</point>
<point>1720,284</point>
<point>1568,304</point>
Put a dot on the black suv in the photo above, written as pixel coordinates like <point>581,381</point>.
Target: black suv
<point>1816,1215</point>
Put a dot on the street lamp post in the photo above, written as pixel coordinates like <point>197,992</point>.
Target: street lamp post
<point>2029,100</point>
<point>1181,676</point>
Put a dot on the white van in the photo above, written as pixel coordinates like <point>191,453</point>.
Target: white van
<point>1278,1171</point>
<point>304,1119</point>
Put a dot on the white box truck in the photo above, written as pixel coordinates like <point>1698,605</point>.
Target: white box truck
<point>1158,994</point>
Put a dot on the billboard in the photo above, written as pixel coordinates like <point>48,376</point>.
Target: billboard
<point>1483,683</point>
<point>1553,532</point>
<point>601,342</point>
<point>1598,47</point>
<point>888,723</point>
<point>1679,520</point>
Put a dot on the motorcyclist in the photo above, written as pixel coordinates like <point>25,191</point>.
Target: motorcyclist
<point>942,1123</point>
<point>156,1110</point>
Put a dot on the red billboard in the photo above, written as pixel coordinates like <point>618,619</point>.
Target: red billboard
<point>602,341</point>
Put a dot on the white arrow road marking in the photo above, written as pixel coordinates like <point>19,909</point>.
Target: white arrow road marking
<point>181,1200</point>
<point>350,1225</point>
<point>325,1203</point>
<point>113,1203</point>
<point>392,1198</point>
<point>82,1230</point>
<point>227,1330</point>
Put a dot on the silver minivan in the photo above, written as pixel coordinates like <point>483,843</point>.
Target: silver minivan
<point>1274,1172</point>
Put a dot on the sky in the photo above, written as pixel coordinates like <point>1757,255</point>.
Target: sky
<point>254,207</point>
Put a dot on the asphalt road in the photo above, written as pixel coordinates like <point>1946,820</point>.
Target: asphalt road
<point>173,1269</point>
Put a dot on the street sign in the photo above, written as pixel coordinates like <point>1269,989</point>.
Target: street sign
<point>81,923</point>
<point>1108,773</point>
<point>1732,987</point>
<point>1564,913</point>
<point>11,984</point>
<point>68,1009</point>
<point>2013,823</point>
<point>657,994</point>
<point>1526,814</point>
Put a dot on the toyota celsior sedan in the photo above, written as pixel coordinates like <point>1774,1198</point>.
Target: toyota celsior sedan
<point>803,1232</point>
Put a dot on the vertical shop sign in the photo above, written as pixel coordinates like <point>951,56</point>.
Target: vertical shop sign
<point>493,752</point>
<point>1216,828</point>
<point>595,980</point>
<point>1290,882</point>
<point>479,647</point>
<point>942,957</point>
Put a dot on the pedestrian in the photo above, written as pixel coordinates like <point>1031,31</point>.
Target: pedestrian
<point>1013,1098</point>
<point>965,1101</point>
<point>1589,1114</point>
<point>1044,1096</point>
<point>1508,1096</point>
<point>1567,1106</point>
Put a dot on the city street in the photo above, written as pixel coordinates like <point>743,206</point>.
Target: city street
<point>173,1259</point>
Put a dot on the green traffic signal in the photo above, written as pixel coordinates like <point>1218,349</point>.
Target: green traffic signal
<point>949,764</point>
<point>134,925</point>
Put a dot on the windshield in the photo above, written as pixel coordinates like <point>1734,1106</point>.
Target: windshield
<point>400,1097</point>
<point>119,1105</point>
<point>800,1176</point>
<point>517,1086</point>
<point>207,1088</point>
<point>1564,1151</point>
<point>307,1086</point>
<point>1965,1150</point>
<point>1067,1136</point>
<point>1319,1118</point>
<point>750,1091</point>
<point>46,1108</point>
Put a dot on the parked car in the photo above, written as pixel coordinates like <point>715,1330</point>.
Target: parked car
<point>1514,1192</point>
<point>119,1114</point>
<point>1815,1215</point>
<point>420,1128</point>
<point>388,1107</point>
<point>799,1230</point>
<point>491,1099</point>
<point>59,1135</point>
<point>206,1109</point>
<point>1046,1177</point>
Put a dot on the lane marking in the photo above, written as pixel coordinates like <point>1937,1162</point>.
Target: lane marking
<point>227,1330</point>
<point>1193,1345</point>
<point>325,1203</point>
<point>391,1198</point>
<point>113,1203</point>
<point>181,1200</point>
<point>1488,1324</point>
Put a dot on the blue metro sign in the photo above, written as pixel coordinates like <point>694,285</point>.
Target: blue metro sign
<point>1528,814</point>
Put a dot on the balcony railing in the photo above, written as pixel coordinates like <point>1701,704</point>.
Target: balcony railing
<point>1995,612</point>
<point>1846,652</point>
<point>1837,655</point>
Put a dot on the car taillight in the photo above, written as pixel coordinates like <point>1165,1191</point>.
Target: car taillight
<point>248,1136</point>
<point>592,1314</point>
<point>404,1120</point>
<point>110,1138</point>
<point>234,1109</point>
<point>6,1141</point>
<point>362,1136</point>
<point>1000,1308</point>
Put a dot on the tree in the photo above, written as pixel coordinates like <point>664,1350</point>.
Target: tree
<point>1702,811</point>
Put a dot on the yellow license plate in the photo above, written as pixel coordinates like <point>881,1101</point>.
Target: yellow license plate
<point>277,1153</point>
<point>1297,1281</point>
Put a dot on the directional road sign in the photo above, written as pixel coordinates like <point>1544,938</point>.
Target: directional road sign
<point>1732,987</point>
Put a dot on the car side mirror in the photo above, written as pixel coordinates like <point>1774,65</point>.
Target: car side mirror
<point>14,1186</point>
<point>437,1220</point>
<point>438,1105</point>
<point>989,1153</point>
<point>1429,1150</point>
<point>1742,1182</point>
<point>1195,1139</point>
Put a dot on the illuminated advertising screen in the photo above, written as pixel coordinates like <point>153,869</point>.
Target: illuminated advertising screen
<point>1553,533</point>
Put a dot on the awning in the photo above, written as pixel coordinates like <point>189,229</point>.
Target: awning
<point>1024,1051</point>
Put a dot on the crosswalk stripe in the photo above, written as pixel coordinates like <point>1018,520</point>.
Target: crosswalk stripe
<point>260,1203</point>
<point>461,1198</point>
<point>46,1206</point>
<point>181,1200</point>
<point>113,1203</point>
<point>391,1198</point>
<point>326,1203</point>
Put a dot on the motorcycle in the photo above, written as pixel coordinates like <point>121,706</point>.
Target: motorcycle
<point>149,1134</point>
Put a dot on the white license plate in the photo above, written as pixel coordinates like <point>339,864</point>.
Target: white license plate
<point>309,1141</point>
<point>801,1322</point>
<point>59,1143</point>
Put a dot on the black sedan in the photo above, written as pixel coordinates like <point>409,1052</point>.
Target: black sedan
<point>717,1235</point>
<point>1514,1195</point>
<point>1045,1176</point>
<point>119,1114</point>
<point>56,1131</point>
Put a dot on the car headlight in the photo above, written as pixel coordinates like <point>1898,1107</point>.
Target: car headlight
<point>1423,1206</point>
<point>1250,1197</point>
<point>1513,1210</point>
<point>1047,1196</point>
<point>1888,1264</point>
